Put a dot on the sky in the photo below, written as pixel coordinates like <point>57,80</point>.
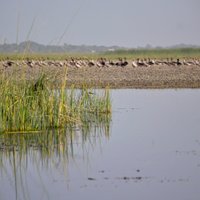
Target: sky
<point>127,23</point>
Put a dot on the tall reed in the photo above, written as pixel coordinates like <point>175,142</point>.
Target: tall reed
<point>32,105</point>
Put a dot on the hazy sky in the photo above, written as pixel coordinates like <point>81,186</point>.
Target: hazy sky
<point>128,23</point>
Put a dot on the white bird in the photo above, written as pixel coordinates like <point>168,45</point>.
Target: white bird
<point>134,64</point>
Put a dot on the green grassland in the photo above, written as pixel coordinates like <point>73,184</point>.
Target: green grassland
<point>129,54</point>
<point>156,53</point>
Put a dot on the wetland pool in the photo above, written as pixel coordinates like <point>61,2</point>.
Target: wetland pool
<point>150,149</point>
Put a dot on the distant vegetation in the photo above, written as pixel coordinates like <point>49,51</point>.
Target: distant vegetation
<point>33,47</point>
<point>156,53</point>
<point>34,50</point>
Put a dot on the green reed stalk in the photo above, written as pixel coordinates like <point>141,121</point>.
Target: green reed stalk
<point>33,105</point>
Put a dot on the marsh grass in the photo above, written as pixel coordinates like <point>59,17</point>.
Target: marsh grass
<point>155,53</point>
<point>33,105</point>
<point>129,54</point>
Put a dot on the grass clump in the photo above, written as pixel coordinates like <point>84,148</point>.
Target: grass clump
<point>32,105</point>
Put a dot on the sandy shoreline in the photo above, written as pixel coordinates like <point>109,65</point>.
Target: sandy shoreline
<point>117,77</point>
<point>141,77</point>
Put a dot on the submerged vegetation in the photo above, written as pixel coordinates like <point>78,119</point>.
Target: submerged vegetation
<point>34,105</point>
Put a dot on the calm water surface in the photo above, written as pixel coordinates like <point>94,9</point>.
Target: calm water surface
<point>150,150</point>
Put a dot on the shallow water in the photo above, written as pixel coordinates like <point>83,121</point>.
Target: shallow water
<point>150,150</point>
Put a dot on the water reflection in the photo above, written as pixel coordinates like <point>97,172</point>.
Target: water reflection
<point>25,156</point>
<point>151,150</point>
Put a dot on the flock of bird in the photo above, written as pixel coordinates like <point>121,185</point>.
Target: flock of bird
<point>101,62</point>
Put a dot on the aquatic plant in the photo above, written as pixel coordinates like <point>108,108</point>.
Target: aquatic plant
<point>33,105</point>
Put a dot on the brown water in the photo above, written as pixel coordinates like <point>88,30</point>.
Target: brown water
<point>150,150</point>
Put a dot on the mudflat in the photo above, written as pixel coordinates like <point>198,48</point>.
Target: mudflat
<point>140,77</point>
<point>163,76</point>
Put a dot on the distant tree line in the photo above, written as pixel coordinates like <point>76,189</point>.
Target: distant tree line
<point>33,47</point>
